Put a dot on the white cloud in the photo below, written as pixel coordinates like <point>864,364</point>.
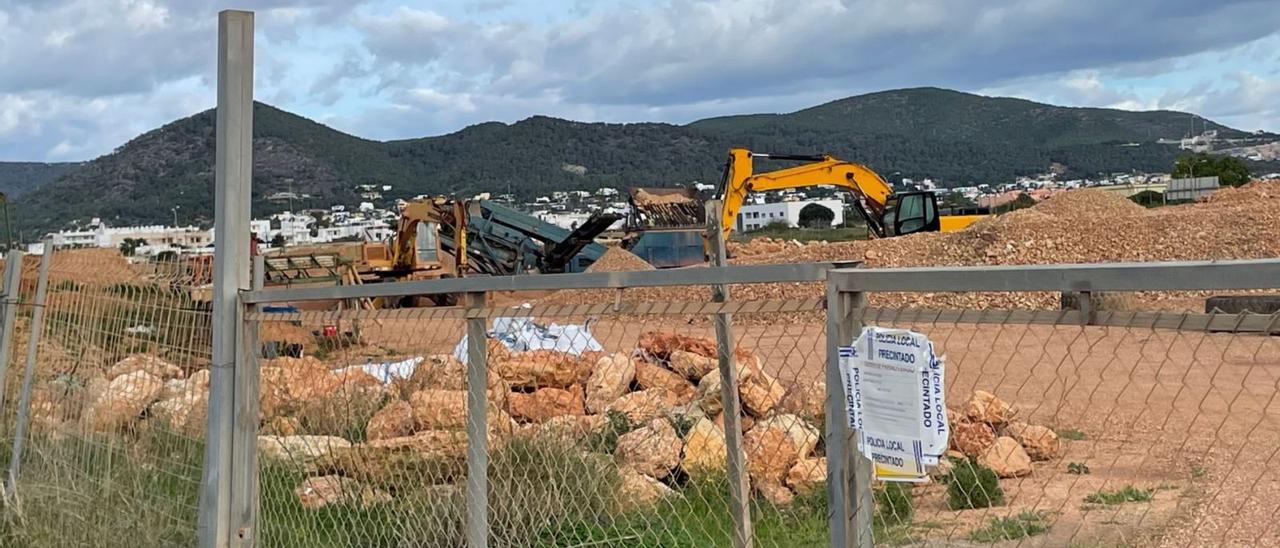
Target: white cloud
<point>410,67</point>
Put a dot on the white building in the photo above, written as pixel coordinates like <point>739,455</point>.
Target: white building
<point>100,235</point>
<point>755,216</point>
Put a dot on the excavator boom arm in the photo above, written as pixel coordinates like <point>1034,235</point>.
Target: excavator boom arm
<point>870,191</point>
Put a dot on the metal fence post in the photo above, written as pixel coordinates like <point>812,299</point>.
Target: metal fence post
<point>735,459</point>
<point>33,345</point>
<point>12,290</point>
<point>233,170</point>
<point>477,520</point>
<point>244,459</point>
<point>849,497</point>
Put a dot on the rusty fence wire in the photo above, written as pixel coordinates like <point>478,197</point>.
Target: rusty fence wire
<point>605,426</point>
<point>109,412</point>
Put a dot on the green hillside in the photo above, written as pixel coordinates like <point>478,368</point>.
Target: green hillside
<point>18,178</point>
<point>955,137</point>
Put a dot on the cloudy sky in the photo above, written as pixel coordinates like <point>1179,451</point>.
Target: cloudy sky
<point>80,77</point>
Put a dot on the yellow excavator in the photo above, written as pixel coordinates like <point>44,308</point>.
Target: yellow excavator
<point>398,258</point>
<point>887,213</point>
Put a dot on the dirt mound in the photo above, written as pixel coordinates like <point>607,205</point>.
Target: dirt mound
<point>617,259</point>
<point>645,198</point>
<point>761,246</point>
<point>1256,190</point>
<point>88,266</point>
<point>1088,203</point>
<point>1084,226</point>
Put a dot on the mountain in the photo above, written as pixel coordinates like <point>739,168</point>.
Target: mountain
<point>956,137</point>
<point>18,178</point>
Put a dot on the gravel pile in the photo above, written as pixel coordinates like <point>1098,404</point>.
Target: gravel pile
<point>1081,226</point>
<point>617,259</point>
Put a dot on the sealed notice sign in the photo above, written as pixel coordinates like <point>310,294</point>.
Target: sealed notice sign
<point>895,401</point>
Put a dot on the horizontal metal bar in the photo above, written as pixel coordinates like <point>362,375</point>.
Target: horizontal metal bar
<point>905,316</point>
<point>685,308</point>
<point>773,273</point>
<point>1168,276</point>
<point>1179,321</point>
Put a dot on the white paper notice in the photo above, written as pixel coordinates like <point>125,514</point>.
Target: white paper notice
<point>895,401</point>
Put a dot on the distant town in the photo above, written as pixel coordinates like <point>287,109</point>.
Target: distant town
<point>374,219</point>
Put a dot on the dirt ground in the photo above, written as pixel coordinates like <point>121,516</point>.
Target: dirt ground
<point>1192,416</point>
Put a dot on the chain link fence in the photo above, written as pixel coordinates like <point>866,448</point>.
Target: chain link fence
<point>606,422</point>
<point>1096,425</point>
<point>104,401</point>
<point>1109,435</point>
<point>605,427</point>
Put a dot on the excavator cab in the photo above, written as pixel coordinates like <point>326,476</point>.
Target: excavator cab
<point>911,212</point>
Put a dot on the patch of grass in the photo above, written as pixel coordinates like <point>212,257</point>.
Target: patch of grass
<point>1078,468</point>
<point>972,485</point>
<point>606,440</point>
<point>893,503</point>
<point>1072,434</point>
<point>106,491</point>
<point>698,518</point>
<point>1025,524</point>
<point>1198,471</point>
<point>1125,494</point>
<point>682,425</point>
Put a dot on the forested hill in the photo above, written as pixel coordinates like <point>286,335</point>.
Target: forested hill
<point>956,137</point>
<point>17,178</point>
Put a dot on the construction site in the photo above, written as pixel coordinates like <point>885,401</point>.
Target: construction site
<point>1104,374</point>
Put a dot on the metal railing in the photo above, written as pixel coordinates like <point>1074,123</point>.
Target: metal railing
<point>1119,376</point>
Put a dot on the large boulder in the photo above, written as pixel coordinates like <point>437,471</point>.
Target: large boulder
<point>637,491</point>
<point>281,426</point>
<point>661,344</point>
<point>648,376</point>
<point>439,409</point>
<point>609,380</point>
<point>653,450</point>
<point>690,365</point>
<point>1040,442</point>
<point>808,400</point>
<point>572,428</point>
<point>435,372</point>
<point>770,453</point>
<point>323,491</point>
<point>545,403</point>
<point>298,449</point>
<point>1006,458</point>
<point>985,407</point>
<point>447,410</point>
<point>291,387</point>
<point>644,405</point>
<point>185,413</point>
<point>760,393</point>
<point>543,369</point>
<point>704,450</point>
<point>440,443</point>
<point>123,400</point>
<point>971,438</point>
<point>407,463</point>
<point>807,475</point>
<point>392,421</point>
<point>198,381</point>
<point>745,422</point>
<point>802,434</point>
<point>153,365</point>
<point>776,493</point>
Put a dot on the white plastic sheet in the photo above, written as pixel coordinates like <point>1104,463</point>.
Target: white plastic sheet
<point>522,334</point>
